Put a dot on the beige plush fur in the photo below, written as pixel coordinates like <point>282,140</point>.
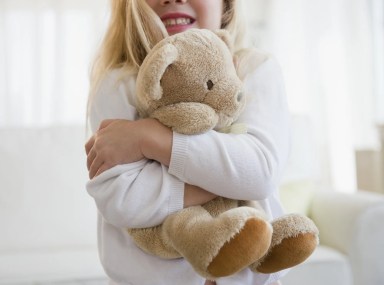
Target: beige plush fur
<point>189,83</point>
<point>174,81</point>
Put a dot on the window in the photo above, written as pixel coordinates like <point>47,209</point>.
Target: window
<point>331,53</point>
<point>45,51</point>
<point>378,49</point>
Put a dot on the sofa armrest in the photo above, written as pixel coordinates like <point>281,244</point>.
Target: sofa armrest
<point>352,224</point>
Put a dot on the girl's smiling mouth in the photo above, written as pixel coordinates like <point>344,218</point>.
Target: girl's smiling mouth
<point>177,22</point>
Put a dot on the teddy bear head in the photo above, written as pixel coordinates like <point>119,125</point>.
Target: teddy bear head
<point>188,82</point>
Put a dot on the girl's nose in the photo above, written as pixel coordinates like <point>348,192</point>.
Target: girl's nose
<point>165,2</point>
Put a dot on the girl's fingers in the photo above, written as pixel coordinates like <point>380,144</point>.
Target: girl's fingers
<point>89,144</point>
<point>95,166</point>
<point>102,168</point>
<point>90,158</point>
<point>106,123</point>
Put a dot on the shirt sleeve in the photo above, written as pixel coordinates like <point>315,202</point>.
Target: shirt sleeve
<point>241,166</point>
<point>134,195</point>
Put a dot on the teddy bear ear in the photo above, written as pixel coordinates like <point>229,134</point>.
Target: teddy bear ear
<point>152,70</point>
<point>225,36</point>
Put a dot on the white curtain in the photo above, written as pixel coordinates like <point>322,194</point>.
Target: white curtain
<point>45,52</point>
<point>378,44</point>
<point>326,50</point>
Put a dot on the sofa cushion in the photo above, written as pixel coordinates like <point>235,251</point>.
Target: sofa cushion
<point>296,196</point>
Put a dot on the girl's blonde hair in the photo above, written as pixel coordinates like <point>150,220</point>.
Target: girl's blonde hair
<point>134,28</point>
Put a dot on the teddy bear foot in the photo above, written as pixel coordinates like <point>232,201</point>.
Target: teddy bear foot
<point>218,246</point>
<point>294,239</point>
<point>249,244</point>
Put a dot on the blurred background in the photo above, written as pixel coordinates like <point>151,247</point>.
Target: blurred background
<point>332,56</point>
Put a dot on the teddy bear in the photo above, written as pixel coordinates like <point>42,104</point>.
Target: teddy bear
<point>189,83</point>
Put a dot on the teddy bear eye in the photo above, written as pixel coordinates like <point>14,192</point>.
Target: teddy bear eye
<point>210,84</point>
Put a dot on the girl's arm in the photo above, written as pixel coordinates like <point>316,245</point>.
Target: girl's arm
<point>141,193</point>
<point>130,133</point>
<point>116,137</point>
<point>241,166</point>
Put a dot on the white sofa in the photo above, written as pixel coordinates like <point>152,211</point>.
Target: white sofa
<point>351,241</point>
<point>49,222</point>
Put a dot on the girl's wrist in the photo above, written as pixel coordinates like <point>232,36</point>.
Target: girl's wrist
<point>194,195</point>
<point>156,141</point>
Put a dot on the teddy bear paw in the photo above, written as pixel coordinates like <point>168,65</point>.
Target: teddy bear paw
<point>246,246</point>
<point>294,239</point>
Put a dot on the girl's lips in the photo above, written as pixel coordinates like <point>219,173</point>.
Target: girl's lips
<point>175,15</point>
<point>177,22</point>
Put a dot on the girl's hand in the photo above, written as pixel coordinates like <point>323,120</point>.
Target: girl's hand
<point>123,141</point>
<point>116,142</point>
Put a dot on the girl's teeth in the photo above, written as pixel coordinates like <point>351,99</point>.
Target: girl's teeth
<point>178,21</point>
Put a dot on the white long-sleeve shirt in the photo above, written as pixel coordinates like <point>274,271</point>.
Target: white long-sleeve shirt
<point>142,194</point>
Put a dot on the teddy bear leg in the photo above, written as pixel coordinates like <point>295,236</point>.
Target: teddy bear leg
<point>294,239</point>
<point>219,246</point>
<point>151,241</point>
<point>248,245</point>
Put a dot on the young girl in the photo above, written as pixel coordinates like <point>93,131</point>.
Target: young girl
<point>141,171</point>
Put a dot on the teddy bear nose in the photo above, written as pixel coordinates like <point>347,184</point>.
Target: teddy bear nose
<point>239,96</point>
